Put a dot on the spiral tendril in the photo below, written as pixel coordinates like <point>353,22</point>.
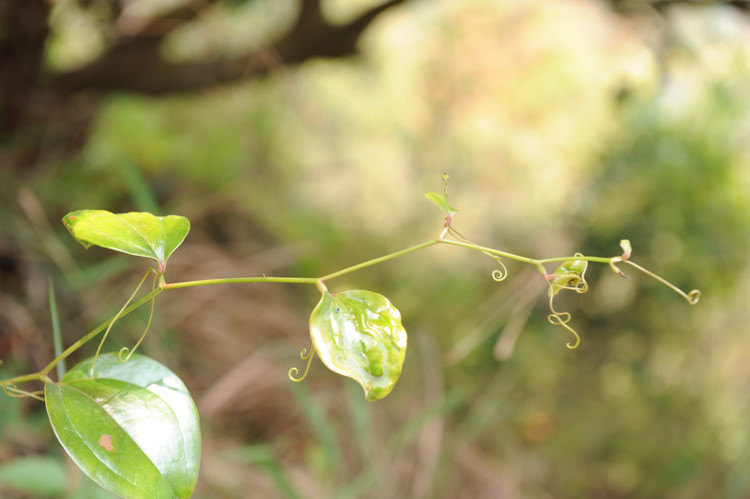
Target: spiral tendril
<point>561,319</point>
<point>114,319</point>
<point>573,280</point>
<point>12,390</point>
<point>579,284</point>
<point>557,320</point>
<point>130,351</point>
<point>304,355</point>
<point>498,275</point>
<point>692,297</point>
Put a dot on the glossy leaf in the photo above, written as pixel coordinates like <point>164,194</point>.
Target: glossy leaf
<point>133,429</point>
<point>569,275</point>
<point>442,202</point>
<point>139,234</point>
<point>359,334</point>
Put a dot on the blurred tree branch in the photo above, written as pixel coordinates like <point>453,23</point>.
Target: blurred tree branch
<point>134,62</point>
<point>35,99</point>
<point>32,95</point>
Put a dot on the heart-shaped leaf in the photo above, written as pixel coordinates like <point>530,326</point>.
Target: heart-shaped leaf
<point>359,334</point>
<point>133,429</point>
<point>139,234</point>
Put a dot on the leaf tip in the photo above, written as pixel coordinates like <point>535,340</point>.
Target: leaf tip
<point>442,202</point>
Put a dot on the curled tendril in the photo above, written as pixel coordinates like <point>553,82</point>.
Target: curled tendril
<point>125,353</point>
<point>114,319</point>
<point>562,318</point>
<point>581,286</point>
<point>304,355</point>
<point>501,273</point>
<point>570,275</point>
<point>12,390</point>
<point>576,282</point>
<point>498,275</point>
<point>692,297</point>
<point>558,320</point>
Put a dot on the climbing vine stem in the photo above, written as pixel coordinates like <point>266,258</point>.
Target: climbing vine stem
<point>577,283</point>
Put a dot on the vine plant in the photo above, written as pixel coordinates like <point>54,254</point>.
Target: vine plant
<point>130,424</point>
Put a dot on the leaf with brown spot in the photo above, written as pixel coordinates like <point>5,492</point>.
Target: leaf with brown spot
<point>133,429</point>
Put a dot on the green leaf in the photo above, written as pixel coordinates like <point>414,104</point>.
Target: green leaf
<point>440,200</point>
<point>139,234</point>
<point>359,334</point>
<point>133,429</point>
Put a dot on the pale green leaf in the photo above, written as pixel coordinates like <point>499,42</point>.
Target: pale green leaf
<point>139,234</point>
<point>359,334</point>
<point>440,200</point>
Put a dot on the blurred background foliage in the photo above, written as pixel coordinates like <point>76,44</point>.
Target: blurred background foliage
<point>565,126</point>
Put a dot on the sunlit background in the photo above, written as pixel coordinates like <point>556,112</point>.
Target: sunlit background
<point>564,125</point>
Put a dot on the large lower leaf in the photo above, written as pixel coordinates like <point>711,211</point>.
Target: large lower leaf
<point>133,429</point>
<point>139,234</point>
<point>359,334</point>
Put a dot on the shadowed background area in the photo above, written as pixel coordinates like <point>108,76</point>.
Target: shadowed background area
<point>299,138</point>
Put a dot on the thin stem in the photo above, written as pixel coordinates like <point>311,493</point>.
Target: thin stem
<point>117,316</point>
<point>239,280</point>
<point>692,297</point>
<point>490,251</point>
<point>318,281</point>
<point>375,261</point>
<point>83,340</point>
<point>21,379</point>
<point>595,259</point>
<point>131,351</point>
<point>524,259</point>
<point>300,280</point>
<point>42,374</point>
